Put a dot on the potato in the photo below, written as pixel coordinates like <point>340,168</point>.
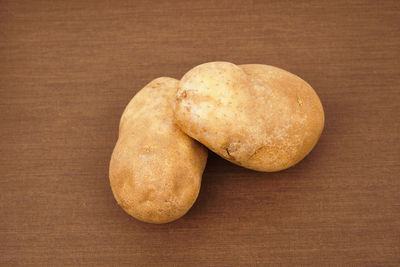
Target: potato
<point>257,116</point>
<point>155,169</point>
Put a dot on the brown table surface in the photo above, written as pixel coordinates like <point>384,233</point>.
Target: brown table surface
<point>68,68</point>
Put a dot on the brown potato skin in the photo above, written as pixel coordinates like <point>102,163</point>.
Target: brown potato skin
<point>257,116</point>
<point>155,169</point>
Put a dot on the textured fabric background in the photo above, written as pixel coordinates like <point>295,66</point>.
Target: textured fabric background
<point>68,68</point>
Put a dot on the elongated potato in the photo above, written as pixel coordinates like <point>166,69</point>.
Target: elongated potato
<point>257,116</point>
<point>155,169</point>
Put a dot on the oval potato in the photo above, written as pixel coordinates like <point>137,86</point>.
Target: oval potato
<point>257,116</point>
<point>155,169</point>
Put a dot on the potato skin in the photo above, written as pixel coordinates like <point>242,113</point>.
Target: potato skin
<point>257,116</point>
<point>155,169</point>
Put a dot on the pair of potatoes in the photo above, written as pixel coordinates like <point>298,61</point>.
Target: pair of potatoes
<point>257,116</point>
